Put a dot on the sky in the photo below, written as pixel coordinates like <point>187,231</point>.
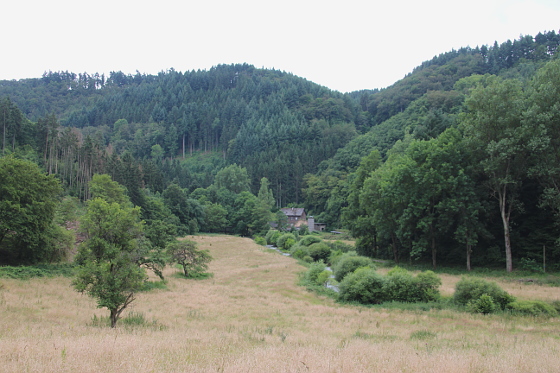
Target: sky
<point>344,45</point>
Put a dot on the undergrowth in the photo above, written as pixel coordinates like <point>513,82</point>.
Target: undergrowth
<point>39,270</point>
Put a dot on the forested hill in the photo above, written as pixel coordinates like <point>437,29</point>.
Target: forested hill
<point>218,149</point>
<point>273,123</point>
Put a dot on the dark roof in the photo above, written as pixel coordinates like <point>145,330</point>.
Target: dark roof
<point>293,211</point>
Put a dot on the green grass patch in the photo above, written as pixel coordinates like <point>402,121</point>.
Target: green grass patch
<point>422,335</point>
<point>39,270</point>
<point>154,285</point>
<point>193,275</point>
<point>131,321</point>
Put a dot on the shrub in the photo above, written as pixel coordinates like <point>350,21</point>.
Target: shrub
<point>313,273</point>
<point>471,289</point>
<point>339,245</point>
<point>260,240</point>
<point>530,265</point>
<point>272,237</point>
<point>309,239</point>
<point>364,286</point>
<point>485,305</point>
<point>428,285</point>
<point>298,251</point>
<point>319,251</point>
<point>348,263</point>
<point>533,308</point>
<point>400,286</point>
<point>322,278</point>
<point>286,241</point>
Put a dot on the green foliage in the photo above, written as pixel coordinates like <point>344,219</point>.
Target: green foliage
<point>286,241</point>
<point>484,304</point>
<point>422,335</point>
<point>471,289</point>
<point>107,260</point>
<point>39,270</point>
<point>260,240</point>
<point>532,308</point>
<point>428,284</point>
<point>233,178</point>
<point>27,210</point>
<point>309,239</point>
<point>102,186</point>
<point>339,246</point>
<point>319,251</point>
<point>215,218</point>
<point>272,236</point>
<point>299,251</point>
<point>402,286</point>
<point>154,285</point>
<point>348,263</point>
<point>530,265</point>
<point>398,286</point>
<point>364,286</point>
<point>313,273</point>
<point>189,211</point>
<point>186,253</point>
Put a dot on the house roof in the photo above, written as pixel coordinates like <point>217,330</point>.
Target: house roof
<point>293,211</point>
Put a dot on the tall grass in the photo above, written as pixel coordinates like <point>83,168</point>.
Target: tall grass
<point>251,316</point>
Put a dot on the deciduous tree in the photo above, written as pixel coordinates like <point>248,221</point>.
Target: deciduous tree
<point>108,258</point>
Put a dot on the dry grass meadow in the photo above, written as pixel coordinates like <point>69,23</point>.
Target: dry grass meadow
<point>252,317</point>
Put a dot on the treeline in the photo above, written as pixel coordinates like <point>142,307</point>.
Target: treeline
<point>440,74</point>
<point>473,183</point>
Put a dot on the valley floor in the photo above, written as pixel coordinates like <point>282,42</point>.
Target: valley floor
<point>251,316</point>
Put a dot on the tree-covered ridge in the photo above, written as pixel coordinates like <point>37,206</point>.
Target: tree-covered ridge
<point>263,119</point>
<point>171,139</point>
<point>441,72</point>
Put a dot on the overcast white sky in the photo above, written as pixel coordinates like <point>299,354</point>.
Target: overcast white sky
<point>344,45</point>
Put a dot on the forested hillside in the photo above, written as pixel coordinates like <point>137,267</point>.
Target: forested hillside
<point>176,141</point>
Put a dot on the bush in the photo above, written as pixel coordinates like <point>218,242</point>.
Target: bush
<point>309,239</point>
<point>308,259</point>
<point>286,241</point>
<point>298,251</point>
<point>313,273</point>
<point>364,286</point>
<point>319,251</point>
<point>471,289</point>
<point>402,286</point>
<point>339,245</point>
<point>39,270</point>
<point>348,263</point>
<point>485,305</point>
<point>533,308</point>
<point>530,265</point>
<point>428,285</point>
<point>260,240</point>
<point>324,277</point>
<point>272,237</point>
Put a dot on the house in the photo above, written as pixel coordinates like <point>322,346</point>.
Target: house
<point>296,216</point>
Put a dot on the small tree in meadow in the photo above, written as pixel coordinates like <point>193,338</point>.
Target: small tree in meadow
<point>187,254</point>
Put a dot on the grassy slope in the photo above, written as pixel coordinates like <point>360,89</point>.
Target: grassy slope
<point>252,317</point>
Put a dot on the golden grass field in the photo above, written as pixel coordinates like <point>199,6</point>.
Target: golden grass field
<point>252,317</point>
